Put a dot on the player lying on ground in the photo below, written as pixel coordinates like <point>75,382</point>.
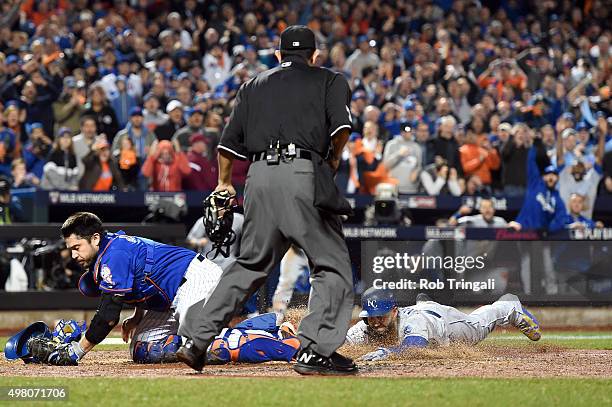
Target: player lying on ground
<point>429,323</point>
<point>163,281</point>
<point>257,339</point>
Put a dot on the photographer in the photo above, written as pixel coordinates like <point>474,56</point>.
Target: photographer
<point>438,179</point>
<point>101,172</point>
<point>37,150</point>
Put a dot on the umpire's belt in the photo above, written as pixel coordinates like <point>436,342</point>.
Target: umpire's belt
<point>283,153</point>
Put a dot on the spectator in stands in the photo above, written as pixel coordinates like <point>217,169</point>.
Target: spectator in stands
<point>203,175</point>
<point>122,102</point>
<point>445,145</point>
<point>20,176</point>
<point>69,108</point>
<point>140,135</point>
<point>37,149</point>
<point>368,154</point>
<point>581,178</point>
<point>363,57</point>
<point>98,107</point>
<point>165,131</point>
<point>14,120</point>
<point>217,66</point>
<point>195,125</point>
<point>166,165</point>
<point>425,143</point>
<point>10,147</point>
<point>438,179</point>
<point>61,172</point>
<point>152,114</point>
<point>83,141</point>
<point>10,206</point>
<point>128,162</point>
<point>478,157</point>
<point>485,219</point>
<point>35,94</point>
<point>402,158</point>
<point>101,172</point>
<point>514,154</point>
<point>575,219</point>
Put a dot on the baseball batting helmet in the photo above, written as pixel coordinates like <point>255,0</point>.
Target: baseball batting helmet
<point>376,302</point>
<point>218,219</point>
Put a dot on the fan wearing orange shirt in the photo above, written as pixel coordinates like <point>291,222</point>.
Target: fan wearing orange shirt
<point>478,157</point>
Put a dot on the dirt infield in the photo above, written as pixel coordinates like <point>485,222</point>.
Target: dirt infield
<point>485,360</point>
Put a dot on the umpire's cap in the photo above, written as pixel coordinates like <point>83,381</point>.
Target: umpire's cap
<point>376,302</point>
<point>297,37</point>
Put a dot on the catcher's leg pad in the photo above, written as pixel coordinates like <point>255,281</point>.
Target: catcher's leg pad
<point>249,347</point>
<point>16,347</point>
<point>157,352</point>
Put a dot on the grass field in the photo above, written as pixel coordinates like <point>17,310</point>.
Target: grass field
<point>325,392</point>
<point>202,390</point>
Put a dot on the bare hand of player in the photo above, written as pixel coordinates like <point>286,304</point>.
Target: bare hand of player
<point>128,327</point>
<point>226,187</point>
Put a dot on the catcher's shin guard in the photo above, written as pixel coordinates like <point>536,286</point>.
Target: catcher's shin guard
<point>156,352</point>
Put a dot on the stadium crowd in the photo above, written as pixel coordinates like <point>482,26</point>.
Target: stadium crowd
<point>448,96</point>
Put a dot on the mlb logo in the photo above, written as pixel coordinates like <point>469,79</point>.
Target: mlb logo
<point>296,43</point>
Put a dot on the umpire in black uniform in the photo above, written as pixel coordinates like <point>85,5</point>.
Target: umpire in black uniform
<point>285,121</point>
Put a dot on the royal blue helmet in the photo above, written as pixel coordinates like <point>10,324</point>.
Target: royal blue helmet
<point>376,302</point>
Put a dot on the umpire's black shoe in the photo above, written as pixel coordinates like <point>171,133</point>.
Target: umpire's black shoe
<point>310,362</point>
<point>191,356</point>
<point>422,297</point>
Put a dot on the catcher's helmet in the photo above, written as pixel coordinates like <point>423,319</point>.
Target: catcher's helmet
<point>376,302</point>
<point>218,219</point>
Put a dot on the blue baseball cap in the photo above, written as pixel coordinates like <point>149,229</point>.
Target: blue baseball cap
<point>193,110</point>
<point>409,105</point>
<point>376,302</point>
<point>359,95</point>
<point>64,130</point>
<point>12,59</point>
<point>568,116</point>
<point>136,111</point>
<point>581,126</point>
<point>551,169</point>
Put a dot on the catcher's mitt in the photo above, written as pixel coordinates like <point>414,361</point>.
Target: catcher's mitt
<point>44,350</point>
<point>41,348</point>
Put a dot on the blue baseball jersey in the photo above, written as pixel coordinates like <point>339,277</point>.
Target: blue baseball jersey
<point>542,208</point>
<point>140,270</point>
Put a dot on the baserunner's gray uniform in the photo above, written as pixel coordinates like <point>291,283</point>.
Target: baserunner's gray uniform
<point>442,325</point>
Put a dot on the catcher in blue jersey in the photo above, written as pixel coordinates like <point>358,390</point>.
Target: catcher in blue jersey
<point>162,281</point>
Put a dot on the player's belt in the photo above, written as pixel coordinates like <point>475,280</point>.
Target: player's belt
<point>282,152</point>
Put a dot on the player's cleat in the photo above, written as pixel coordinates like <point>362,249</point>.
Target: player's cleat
<point>287,330</point>
<point>528,324</point>
<point>422,297</point>
<point>190,355</point>
<point>310,362</point>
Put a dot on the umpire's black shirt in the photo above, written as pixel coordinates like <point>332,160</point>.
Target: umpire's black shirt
<point>292,103</point>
